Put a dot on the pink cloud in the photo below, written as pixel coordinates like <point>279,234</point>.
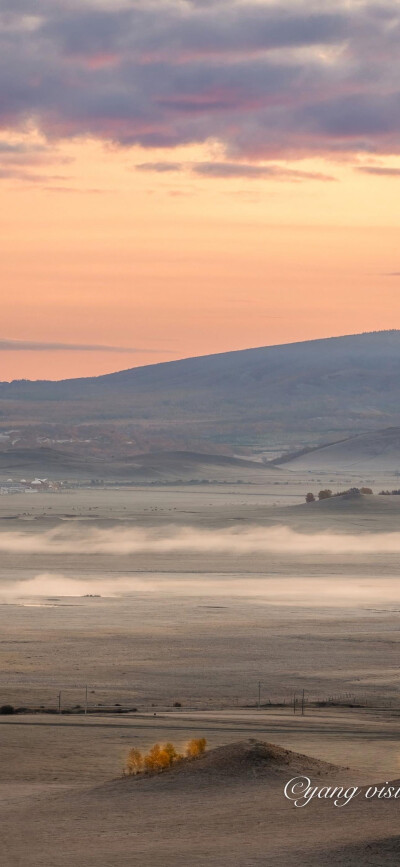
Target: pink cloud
<point>170,74</point>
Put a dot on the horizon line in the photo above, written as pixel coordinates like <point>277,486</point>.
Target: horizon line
<point>195,357</point>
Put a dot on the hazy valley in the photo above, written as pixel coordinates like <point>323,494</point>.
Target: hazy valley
<point>186,592</point>
<point>267,400</point>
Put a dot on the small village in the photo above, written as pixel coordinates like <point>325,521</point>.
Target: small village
<point>25,486</point>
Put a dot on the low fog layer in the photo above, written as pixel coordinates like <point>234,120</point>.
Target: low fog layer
<point>203,580</point>
<point>342,591</point>
<point>125,541</point>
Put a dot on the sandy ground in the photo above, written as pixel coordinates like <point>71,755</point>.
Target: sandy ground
<point>38,749</point>
<point>201,625</point>
<point>227,807</point>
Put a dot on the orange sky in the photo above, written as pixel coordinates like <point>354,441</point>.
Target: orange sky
<point>180,177</point>
<point>96,251</point>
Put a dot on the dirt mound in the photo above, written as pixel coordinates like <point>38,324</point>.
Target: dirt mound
<point>241,760</point>
<point>353,502</point>
<point>254,756</point>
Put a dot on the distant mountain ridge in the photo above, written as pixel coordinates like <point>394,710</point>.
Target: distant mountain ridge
<point>323,388</point>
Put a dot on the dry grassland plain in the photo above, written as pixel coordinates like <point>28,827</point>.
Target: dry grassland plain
<point>156,596</point>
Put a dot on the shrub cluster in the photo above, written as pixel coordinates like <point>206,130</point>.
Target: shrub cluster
<point>389,493</point>
<point>7,709</point>
<point>161,757</point>
<point>326,493</point>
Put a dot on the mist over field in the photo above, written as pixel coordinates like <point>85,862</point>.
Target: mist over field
<point>157,596</point>
<point>55,572</point>
<point>252,539</point>
<point>317,592</point>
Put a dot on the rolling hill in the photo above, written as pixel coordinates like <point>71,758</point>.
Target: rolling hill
<point>164,467</point>
<point>301,392</point>
<point>372,452</point>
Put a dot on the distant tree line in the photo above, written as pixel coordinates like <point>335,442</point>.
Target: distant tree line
<point>389,493</point>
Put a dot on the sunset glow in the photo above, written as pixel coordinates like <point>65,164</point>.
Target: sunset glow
<point>182,178</point>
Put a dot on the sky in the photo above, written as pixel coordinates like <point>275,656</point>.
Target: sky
<point>182,177</point>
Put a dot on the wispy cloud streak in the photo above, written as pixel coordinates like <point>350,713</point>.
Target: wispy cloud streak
<point>7,345</point>
<point>229,170</point>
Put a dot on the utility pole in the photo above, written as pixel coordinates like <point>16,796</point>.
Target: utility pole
<point>294,703</point>
<point>86,702</point>
<point>259,694</point>
<point>302,703</point>
<point>59,702</point>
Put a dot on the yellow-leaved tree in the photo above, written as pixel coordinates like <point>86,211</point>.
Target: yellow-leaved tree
<point>134,764</point>
<point>196,747</point>
<point>160,757</point>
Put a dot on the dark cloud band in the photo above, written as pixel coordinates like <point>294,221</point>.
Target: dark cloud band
<point>382,171</point>
<point>265,80</point>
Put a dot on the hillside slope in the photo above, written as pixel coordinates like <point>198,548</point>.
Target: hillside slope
<point>167,467</point>
<point>372,452</point>
<point>339,385</point>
